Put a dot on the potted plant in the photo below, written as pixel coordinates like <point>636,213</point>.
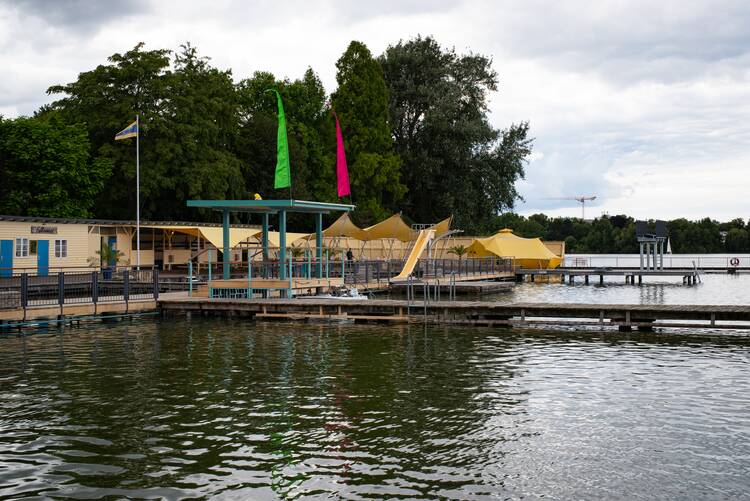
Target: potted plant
<point>296,252</point>
<point>108,258</point>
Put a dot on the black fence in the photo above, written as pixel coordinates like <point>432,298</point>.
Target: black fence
<point>357,272</point>
<point>26,290</point>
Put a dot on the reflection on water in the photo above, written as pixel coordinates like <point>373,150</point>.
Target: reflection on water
<point>714,289</point>
<point>179,409</point>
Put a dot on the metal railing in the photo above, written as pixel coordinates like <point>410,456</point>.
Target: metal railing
<point>23,290</point>
<point>679,261</point>
<point>362,273</point>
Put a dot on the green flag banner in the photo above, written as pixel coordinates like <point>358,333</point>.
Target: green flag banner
<point>283,177</point>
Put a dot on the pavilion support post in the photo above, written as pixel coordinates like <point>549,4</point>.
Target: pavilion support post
<point>282,244</point>
<point>226,252</point>
<point>264,243</point>
<point>319,245</point>
<point>641,243</point>
<point>249,276</point>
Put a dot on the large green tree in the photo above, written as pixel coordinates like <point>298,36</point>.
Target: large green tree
<point>188,118</point>
<point>455,162</point>
<point>310,134</point>
<point>361,102</point>
<point>46,169</point>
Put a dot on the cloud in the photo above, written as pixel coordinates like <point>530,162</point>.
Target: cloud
<point>81,17</point>
<point>643,104</point>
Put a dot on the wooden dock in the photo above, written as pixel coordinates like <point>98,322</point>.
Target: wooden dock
<point>471,287</point>
<point>690,276</point>
<point>623,317</point>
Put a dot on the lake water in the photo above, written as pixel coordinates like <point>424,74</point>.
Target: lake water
<point>241,410</point>
<point>713,289</point>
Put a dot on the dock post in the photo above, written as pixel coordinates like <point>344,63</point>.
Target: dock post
<point>640,279</point>
<point>309,265</point>
<point>327,263</point>
<point>290,293</point>
<point>249,277</point>
<point>319,245</point>
<point>601,279</point>
<point>209,273</point>
<point>587,279</point>
<point>571,279</point>
<point>343,267</point>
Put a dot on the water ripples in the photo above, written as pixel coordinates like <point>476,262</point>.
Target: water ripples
<point>186,409</point>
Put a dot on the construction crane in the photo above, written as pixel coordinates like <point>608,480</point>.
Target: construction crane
<point>581,199</point>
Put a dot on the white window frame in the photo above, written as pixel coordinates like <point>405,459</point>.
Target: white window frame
<point>61,248</point>
<point>22,247</point>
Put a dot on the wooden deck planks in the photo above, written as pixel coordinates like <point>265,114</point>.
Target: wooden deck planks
<point>477,311</point>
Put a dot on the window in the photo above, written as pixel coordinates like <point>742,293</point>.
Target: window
<point>22,247</point>
<point>33,244</point>
<point>61,248</point>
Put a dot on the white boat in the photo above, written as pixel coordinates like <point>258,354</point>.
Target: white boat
<point>341,293</point>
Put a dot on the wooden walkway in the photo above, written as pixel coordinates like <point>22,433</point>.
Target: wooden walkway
<point>689,275</point>
<point>624,317</point>
<point>471,287</point>
<point>85,308</point>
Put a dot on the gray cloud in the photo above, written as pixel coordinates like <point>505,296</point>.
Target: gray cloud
<point>75,15</point>
<point>644,104</point>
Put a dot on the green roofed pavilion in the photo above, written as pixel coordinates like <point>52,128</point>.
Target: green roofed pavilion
<point>267,207</point>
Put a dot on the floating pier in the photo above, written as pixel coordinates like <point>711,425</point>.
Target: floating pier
<point>690,276</point>
<point>623,317</point>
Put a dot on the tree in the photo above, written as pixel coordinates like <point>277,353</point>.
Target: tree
<point>106,99</point>
<point>361,102</point>
<point>737,240</point>
<point>188,117</point>
<point>196,131</point>
<point>455,162</point>
<point>310,134</point>
<point>46,169</point>
<point>459,250</point>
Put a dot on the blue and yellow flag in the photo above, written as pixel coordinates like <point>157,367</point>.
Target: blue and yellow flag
<point>128,132</point>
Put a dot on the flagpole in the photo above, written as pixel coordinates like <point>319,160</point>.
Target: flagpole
<point>138,192</point>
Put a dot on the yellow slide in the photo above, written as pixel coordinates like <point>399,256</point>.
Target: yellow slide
<point>423,239</point>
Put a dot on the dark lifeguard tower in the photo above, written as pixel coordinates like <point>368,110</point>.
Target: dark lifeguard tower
<point>282,279</point>
<point>652,240</point>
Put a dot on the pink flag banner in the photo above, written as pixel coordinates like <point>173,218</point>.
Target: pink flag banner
<point>342,173</point>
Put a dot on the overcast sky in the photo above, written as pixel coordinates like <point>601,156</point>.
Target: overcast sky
<point>644,104</point>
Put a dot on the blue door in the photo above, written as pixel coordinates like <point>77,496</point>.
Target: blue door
<point>42,258</point>
<point>112,242</point>
<point>6,258</point>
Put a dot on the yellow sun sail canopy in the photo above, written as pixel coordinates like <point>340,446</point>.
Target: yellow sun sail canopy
<point>393,227</point>
<point>344,227</point>
<point>442,227</point>
<point>527,252</point>
<point>291,238</point>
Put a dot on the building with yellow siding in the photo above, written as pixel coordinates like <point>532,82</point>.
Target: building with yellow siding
<point>41,245</point>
